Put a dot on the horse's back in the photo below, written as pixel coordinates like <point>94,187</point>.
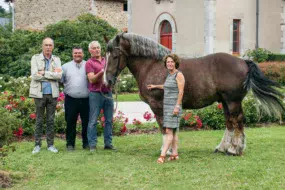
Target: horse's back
<point>210,77</point>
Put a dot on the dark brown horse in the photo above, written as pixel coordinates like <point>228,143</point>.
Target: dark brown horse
<point>218,77</point>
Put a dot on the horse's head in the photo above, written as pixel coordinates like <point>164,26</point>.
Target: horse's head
<point>118,50</point>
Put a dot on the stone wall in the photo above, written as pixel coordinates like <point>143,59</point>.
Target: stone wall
<point>36,14</point>
<point>112,11</point>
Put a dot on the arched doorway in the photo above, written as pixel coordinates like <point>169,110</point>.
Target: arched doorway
<point>166,34</point>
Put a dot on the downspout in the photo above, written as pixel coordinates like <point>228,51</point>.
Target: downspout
<point>13,18</point>
<point>257,24</point>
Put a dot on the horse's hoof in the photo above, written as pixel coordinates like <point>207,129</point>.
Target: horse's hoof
<point>229,154</point>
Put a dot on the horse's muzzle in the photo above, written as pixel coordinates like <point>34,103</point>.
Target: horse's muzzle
<point>111,80</point>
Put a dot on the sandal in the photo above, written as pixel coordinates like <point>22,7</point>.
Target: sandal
<point>161,160</point>
<point>173,157</point>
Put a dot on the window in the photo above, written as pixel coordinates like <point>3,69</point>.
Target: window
<point>236,36</point>
<point>166,34</point>
<point>125,6</point>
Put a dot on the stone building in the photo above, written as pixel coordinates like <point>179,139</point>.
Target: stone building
<point>200,27</point>
<point>36,14</point>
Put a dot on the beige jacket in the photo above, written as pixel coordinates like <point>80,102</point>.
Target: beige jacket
<point>37,64</point>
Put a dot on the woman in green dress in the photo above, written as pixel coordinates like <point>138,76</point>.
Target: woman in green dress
<point>172,110</point>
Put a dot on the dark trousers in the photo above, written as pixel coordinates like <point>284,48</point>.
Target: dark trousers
<point>73,107</point>
<point>48,104</point>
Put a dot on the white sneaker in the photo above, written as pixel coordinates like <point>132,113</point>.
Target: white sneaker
<point>52,149</point>
<point>36,149</point>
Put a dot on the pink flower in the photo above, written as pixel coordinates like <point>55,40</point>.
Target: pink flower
<point>126,120</point>
<point>33,116</point>
<point>102,118</point>
<point>101,111</point>
<point>22,98</point>
<point>61,94</point>
<point>79,120</point>
<point>220,106</point>
<point>58,106</point>
<point>147,116</point>
<point>59,99</point>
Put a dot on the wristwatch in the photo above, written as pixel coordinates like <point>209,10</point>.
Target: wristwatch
<point>178,106</point>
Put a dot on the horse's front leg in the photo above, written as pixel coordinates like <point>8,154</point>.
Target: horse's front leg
<point>233,142</point>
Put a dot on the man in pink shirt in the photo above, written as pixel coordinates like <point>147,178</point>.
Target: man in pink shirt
<point>100,97</point>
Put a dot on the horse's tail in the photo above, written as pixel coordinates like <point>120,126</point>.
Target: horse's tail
<point>264,89</point>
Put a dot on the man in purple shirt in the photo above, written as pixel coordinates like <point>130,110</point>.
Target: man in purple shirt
<point>100,97</point>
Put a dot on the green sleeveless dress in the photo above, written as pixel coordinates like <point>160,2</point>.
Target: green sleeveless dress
<point>169,102</point>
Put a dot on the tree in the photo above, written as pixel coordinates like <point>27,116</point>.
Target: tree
<point>4,13</point>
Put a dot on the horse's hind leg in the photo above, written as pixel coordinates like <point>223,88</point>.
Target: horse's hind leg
<point>233,141</point>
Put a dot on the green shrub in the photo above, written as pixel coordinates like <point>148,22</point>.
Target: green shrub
<point>59,122</point>
<point>127,83</point>
<point>276,57</point>
<point>257,55</point>
<point>212,116</point>
<point>190,120</point>
<point>8,124</point>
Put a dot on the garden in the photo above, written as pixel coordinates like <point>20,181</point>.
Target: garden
<point>138,142</point>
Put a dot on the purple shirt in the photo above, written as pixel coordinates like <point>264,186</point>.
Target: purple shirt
<point>94,66</point>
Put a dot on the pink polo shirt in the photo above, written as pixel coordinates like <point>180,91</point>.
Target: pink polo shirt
<point>95,66</point>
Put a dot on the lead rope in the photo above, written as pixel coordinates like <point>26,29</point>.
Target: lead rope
<point>116,96</point>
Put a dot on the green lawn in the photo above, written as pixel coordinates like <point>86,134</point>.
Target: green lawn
<point>134,165</point>
<point>128,97</point>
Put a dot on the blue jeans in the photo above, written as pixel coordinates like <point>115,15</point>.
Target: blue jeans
<point>97,102</point>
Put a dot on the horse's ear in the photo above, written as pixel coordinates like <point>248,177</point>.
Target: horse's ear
<point>106,38</point>
<point>117,39</point>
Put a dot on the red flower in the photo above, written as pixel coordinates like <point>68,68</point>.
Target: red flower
<point>124,129</point>
<point>101,111</point>
<point>33,116</point>
<point>9,107</point>
<point>102,118</point>
<point>15,104</point>
<point>199,123</point>
<point>22,98</point>
<point>220,106</point>
<point>10,98</point>
<point>18,133</point>
<point>61,95</point>
<point>136,122</point>
<point>5,92</point>
<point>187,116</point>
